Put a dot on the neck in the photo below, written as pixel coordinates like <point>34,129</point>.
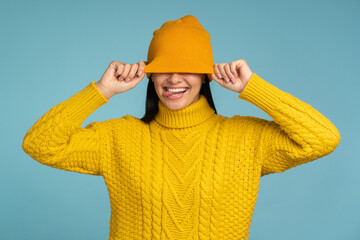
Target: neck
<point>192,115</point>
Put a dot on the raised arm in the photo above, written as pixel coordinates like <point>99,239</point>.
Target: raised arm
<point>297,134</point>
<point>57,139</point>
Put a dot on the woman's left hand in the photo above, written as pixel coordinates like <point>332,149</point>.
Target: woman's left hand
<point>233,76</point>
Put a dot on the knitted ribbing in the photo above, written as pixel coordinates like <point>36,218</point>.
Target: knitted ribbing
<point>190,173</point>
<point>192,115</point>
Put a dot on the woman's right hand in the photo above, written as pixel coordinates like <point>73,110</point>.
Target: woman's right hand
<point>120,77</point>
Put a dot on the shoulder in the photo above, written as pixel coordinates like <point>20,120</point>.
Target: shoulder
<point>248,122</point>
<point>126,121</point>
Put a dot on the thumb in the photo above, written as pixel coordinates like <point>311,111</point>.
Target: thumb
<point>219,81</point>
<point>139,78</point>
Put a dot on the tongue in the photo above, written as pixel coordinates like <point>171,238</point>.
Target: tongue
<point>168,93</point>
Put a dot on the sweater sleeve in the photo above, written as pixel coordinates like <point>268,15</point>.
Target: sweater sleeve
<point>57,139</point>
<point>297,134</point>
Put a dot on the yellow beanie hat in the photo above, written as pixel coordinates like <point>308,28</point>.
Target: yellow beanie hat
<point>180,46</point>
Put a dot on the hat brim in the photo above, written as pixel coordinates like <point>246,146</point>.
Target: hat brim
<point>158,67</point>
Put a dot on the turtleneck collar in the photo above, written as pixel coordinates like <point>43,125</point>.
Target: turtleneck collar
<point>191,115</point>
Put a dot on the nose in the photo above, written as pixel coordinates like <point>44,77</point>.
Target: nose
<point>175,78</point>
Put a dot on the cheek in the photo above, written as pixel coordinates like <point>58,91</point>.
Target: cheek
<point>158,90</point>
<point>157,87</point>
<point>197,86</point>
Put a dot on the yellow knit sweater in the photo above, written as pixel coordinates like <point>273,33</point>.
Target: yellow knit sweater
<point>190,174</point>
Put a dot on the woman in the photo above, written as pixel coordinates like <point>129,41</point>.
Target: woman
<point>182,171</point>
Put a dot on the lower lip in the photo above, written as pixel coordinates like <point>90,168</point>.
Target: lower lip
<point>177,96</point>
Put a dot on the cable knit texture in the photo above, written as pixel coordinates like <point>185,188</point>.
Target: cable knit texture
<point>190,173</point>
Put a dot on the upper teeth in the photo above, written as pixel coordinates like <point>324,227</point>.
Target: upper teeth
<point>176,89</point>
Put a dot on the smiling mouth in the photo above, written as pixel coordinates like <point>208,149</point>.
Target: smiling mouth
<point>176,90</point>
<point>171,93</point>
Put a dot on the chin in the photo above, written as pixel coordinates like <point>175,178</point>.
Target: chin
<point>176,106</point>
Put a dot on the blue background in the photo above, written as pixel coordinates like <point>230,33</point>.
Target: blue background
<point>50,50</point>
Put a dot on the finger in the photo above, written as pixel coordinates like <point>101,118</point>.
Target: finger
<point>223,73</point>
<point>219,81</point>
<point>233,69</point>
<point>111,70</point>
<point>137,79</point>
<point>217,71</point>
<point>126,70</point>
<point>119,71</point>
<point>113,65</point>
<point>229,74</point>
<point>241,62</point>
<point>141,68</point>
<point>213,76</point>
<point>133,70</point>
